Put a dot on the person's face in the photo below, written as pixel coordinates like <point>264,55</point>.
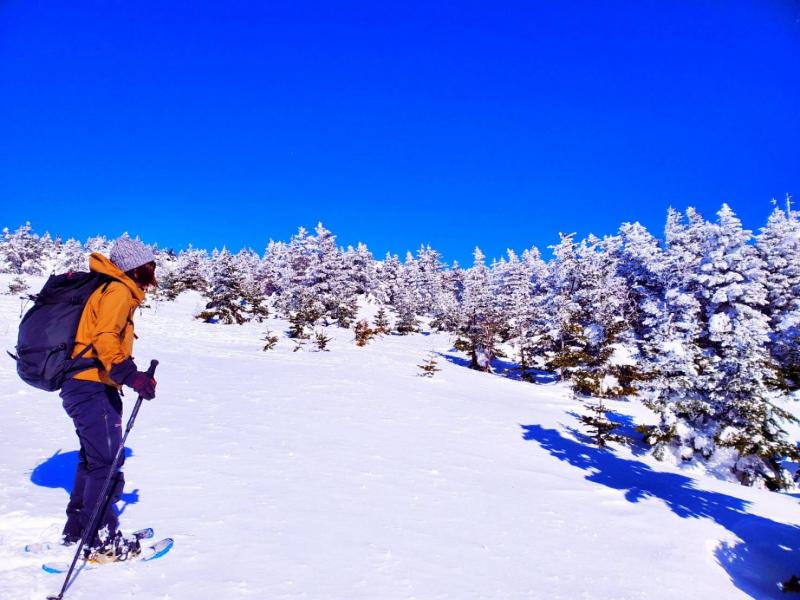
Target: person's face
<point>145,276</point>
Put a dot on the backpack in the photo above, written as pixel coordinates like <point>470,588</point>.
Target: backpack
<point>47,331</point>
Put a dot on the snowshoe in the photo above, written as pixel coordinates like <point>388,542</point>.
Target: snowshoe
<point>117,549</point>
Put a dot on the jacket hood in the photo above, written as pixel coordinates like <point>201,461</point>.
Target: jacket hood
<point>101,264</point>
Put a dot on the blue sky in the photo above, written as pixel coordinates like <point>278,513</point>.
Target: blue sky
<point>449,123</point>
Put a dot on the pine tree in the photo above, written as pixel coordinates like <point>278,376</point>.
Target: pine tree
<point>387,276</point>
<point>778,246</point>
<point>18,286</point>
<point>381,323</point>
<point>520,291</point>
<point>429,367</point>
<point>363,333</point>
<point>446,311</point>
<point>479,323</point>
<point>270,340</point>
<point>600,427</point>
<point>22,252</point>
<point>72,257</point>
<point>99,243</point>
<point>252,294</point>
<point>226,302</point>
<point>674,349</point>
<point>321,340</point>
<point>590,335</point>
<point>404,303</point>
<point>359,267</point>
<point>741,383</point>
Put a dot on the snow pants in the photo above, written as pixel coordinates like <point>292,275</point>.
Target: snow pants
<point>96,411</point>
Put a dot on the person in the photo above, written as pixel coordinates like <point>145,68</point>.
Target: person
<point>92,400</point>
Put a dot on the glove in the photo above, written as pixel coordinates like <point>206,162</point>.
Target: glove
<point>142,383</point>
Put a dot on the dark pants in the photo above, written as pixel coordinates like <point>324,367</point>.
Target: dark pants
<point>96,411</point>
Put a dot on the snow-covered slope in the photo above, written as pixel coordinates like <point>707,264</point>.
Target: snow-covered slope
<point>343,474</point>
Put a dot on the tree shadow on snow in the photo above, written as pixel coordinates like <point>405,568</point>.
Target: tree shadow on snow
<point>768,552</point>
<point>626,427</point>
<point>504,368</point>
<point>58,471</point>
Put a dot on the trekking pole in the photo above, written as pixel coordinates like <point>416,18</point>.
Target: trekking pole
<point>90,531</point>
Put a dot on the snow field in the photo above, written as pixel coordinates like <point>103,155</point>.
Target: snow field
<point>343,474</point>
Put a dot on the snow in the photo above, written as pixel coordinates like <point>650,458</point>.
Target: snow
<point>344,474</point>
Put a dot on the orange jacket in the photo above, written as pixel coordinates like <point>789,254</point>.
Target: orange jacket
<point>107,321</point>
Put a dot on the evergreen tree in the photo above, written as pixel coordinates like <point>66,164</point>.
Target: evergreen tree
<point>363,332</point>
<point>226,303</point>
<point>778,246</point>
<point>429,366</point>
<point>99,243</point>
<point>381,323</point>
<point>479,323</point>
<point>594,340</point>
<point>190,271</point>
<point>72,257</point>
<point>359,267</point>
<point>600,427</point>
<point>329,281</point>
<point>403,301</point>
<point>674,352</point>
<point>22,252</point>
<point>741,381</point>
<point>387,276</point>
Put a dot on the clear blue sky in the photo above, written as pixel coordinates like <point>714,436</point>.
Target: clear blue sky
<point>450,123</point>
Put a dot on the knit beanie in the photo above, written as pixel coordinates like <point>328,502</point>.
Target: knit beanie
<point>128,254</point>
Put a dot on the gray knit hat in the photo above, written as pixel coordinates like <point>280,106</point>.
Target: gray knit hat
<point>128,254</point>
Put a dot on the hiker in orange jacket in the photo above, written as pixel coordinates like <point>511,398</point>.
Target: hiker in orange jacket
<point>92,399</point>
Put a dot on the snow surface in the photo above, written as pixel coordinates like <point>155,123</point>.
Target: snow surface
<point>343,474</point>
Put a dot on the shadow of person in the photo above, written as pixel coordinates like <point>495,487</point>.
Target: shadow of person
<point>768,552</point>
<point>58,471</point>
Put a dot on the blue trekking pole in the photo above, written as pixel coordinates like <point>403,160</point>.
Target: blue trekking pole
<point>91,529</point>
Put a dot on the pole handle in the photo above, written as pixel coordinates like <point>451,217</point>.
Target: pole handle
<point>151,370</point>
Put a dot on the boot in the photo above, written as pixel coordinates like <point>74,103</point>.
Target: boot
<point>118,548</point>
<point>791,585</point>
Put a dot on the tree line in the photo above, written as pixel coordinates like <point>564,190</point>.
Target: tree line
<point>702,324</point>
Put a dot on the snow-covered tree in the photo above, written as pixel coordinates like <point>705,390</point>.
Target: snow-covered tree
<point>404,302</point>
<point>328,279</point>
<point>72,257</point>
<point>674,350</point>
<point>226,303</point>
<point>359,266</point>
<point>593,343</point>
<point>778,246</point>
<point>22,252</point>
<point>741,378</point>
<point>480,322</point>
<point>191,271</point>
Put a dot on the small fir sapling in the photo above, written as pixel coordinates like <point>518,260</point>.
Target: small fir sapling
<point>346,313</point>
<point>18,286</point>
<point>270,340</point>
<point>600,427</point>
<point>381,323</point>
<point>429,366</point>
<point>321,340</point>
<point>363,333</point>
<point>407,322</point>
<point>297,326</point>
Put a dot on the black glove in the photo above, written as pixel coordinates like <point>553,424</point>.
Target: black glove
<point>142,383</point>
